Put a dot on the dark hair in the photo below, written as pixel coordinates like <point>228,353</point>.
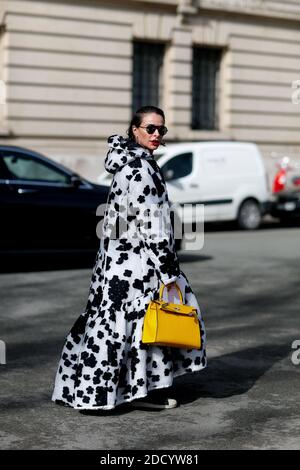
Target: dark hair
<point>138,117</point>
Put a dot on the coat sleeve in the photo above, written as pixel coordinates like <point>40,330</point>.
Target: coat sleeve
<point>149,203</point>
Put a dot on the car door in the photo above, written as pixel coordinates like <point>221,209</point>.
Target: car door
<point>6,200</point>
<point>34,201</point>
<point>181,175</point>
<point>213,176</point>
<point>42,207</point>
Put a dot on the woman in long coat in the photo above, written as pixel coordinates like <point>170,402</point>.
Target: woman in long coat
<point>104,363</point>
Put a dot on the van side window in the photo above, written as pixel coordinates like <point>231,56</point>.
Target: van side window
<point>178,167</point>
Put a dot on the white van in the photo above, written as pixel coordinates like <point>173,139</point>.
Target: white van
<point>229,178</point>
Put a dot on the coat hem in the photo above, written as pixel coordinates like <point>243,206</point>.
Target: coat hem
<point>112,407</point>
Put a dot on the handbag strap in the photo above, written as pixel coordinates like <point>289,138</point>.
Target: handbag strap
<point>161,290</point>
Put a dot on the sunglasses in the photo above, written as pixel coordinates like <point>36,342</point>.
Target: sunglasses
<point>151,128</point>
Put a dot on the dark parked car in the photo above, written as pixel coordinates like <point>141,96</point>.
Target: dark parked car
<point>45,205</point>
<point>286,206</point>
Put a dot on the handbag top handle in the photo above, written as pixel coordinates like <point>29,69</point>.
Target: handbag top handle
<point>161,290</point>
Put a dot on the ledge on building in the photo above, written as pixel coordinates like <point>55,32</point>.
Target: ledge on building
<point>196,135</point>
<point>4,131</point>
<point>277,10</point>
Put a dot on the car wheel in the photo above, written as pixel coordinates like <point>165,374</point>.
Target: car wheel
<point>249,217</point>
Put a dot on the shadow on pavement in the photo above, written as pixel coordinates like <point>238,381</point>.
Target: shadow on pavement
<point>231,374</point>
<point>118,411</point>
<point>29,262</point>
<point>226,376</point>
<point>46,261</point>
<point>185,257</point>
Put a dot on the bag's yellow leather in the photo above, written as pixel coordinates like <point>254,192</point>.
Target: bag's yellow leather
<point>173,325</point>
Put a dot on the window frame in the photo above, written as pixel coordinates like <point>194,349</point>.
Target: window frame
<point>140,98</point>
<point>207,122</point>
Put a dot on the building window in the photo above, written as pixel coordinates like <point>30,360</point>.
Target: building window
<point>206,88</point>
<point>147,74</point>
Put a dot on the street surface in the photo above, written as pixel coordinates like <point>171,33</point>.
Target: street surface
<point>247,285</point>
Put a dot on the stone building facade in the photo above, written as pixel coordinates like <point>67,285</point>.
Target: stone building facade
<point>67,67</point>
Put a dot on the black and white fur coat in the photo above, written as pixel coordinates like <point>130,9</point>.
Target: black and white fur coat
<point>103,362</point>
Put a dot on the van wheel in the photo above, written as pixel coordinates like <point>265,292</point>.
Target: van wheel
<point>249,217</point>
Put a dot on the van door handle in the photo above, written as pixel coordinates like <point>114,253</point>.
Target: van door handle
<point>194,185</point>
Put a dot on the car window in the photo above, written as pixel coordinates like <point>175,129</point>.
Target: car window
<point>178,167</point>
<point>4,172</point>
<point>28,168</point>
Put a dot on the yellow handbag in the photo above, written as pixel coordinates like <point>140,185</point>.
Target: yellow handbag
<point>173,325</point>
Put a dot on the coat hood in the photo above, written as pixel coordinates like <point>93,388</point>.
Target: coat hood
<point>123,151</point>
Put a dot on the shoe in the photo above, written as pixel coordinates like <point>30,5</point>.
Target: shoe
<point>154,403</point>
